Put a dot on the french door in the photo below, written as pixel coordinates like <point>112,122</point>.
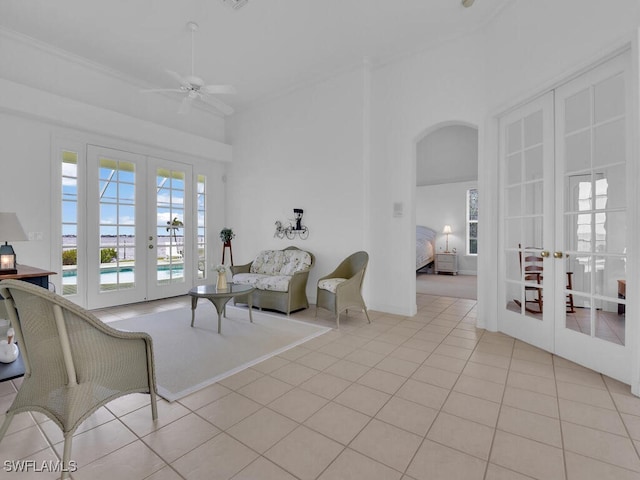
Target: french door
<point>137,243</point>
<point>528,290</point>
<point>563,240</point>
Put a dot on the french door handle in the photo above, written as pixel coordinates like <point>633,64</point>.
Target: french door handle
<point>557,254</point>
<point>544,254</point>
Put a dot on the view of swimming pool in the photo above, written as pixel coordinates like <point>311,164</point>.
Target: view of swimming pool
<point>115,275</point>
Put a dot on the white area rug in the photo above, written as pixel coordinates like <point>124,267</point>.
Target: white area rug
<point>188,359</point>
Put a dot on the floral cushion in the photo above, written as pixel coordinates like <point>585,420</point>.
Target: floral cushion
<point>274,283</point>
<point>248,278</point>
<point>268,262</point>
<point>331,284</point>
<point>295,261</point>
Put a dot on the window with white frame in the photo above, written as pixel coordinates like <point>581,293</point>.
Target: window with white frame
<point>201,206</point>
<point>69,208</point>
<point>472,221</point>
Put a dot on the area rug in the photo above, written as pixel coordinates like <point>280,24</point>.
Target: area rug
<point>188,359</point>
<point>459,286</point>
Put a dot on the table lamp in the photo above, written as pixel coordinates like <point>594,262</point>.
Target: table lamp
<point>10,229</point>
<point>447,231</point>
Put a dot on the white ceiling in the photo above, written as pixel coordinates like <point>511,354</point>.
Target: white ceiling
<point>265,48</point>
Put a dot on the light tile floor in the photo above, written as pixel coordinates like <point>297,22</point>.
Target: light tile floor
<point>427,397</point>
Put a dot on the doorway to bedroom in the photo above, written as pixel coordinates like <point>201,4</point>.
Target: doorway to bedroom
<point>447,204</point>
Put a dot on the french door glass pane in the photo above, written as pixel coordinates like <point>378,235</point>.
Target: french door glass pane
<point>578,152</point>
<point>117,214</point>
<point>609,99</point>
<point>201,202</point>
<point>170,226</point>
<point>595,216</point>
<point>577,111</point>
<point>533,163</point>
<point>524,202</point>
<point>69,185</point>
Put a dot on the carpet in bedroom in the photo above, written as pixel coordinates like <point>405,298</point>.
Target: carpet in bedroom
<point>459,286</point>
<point>188,359</point>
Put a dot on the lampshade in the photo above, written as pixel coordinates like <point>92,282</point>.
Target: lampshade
<point>447,229</point>
<point>10,228</point>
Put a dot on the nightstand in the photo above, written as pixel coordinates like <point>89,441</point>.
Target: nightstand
<point>447,263</point>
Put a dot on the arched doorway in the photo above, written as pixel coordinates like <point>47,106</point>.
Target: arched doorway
<point>447,200</point>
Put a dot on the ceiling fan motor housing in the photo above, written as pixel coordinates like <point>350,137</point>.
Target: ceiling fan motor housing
<point>196,82</point>
<point>235,4</point>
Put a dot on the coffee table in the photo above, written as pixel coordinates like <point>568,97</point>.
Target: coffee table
<point>219,298</point>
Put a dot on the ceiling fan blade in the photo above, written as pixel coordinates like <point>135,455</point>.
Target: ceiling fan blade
<point>185,106</point>
<point>219,89</point>
<point>220,105</point>
<point>153,90</point>
<point>181,80</point>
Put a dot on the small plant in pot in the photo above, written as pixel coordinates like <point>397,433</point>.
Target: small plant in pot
<point>226,235</point>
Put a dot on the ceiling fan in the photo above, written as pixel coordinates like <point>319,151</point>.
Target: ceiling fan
<point>193,87</point>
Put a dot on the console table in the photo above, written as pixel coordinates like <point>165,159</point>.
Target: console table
<point>37,276</point>
<point>34,275</point>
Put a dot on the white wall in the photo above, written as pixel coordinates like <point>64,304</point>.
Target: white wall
<point>445,204</point>
<point>410,97</point>
<point>531,44</point>
<point>303,150</point>
<point>447,155</point>
<point>25,184</point>
<point>309,149</point>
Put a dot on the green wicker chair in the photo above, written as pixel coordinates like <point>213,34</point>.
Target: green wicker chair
<point>74,363</point>
<point>342,288</point>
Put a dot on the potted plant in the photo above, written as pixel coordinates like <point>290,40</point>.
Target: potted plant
<point>226,235</point>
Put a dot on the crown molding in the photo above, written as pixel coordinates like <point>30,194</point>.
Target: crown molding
<point>95,66</point>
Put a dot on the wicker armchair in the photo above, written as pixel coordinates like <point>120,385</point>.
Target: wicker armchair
<point>342,288</point>
<point>74,363</point>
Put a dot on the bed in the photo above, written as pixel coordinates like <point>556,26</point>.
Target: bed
<point>425,246</point>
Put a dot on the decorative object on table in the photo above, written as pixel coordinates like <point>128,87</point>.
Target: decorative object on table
<point>447,231</point>
<point>222,277</point>
<point>226,235</point>
<point>8,349</point>
<point>10,229</point>
<point>290,231</point>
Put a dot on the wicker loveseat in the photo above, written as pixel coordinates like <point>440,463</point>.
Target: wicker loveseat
<point>280,278</point>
